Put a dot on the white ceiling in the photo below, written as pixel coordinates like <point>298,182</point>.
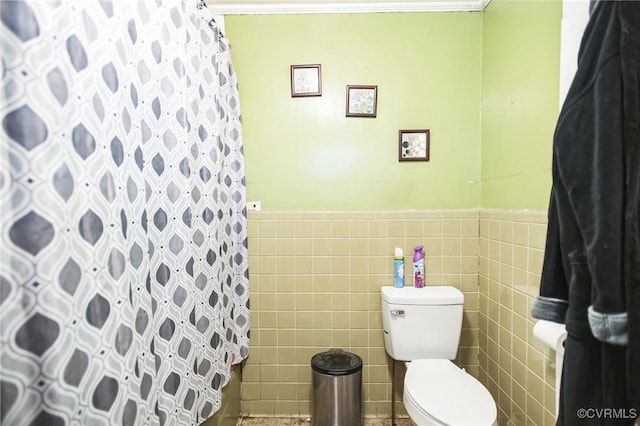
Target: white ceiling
<point>235,7</point>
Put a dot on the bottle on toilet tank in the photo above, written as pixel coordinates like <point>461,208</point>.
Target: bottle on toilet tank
<point>418,266</point>
<point>398,268</point>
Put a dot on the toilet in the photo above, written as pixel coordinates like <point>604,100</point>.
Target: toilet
<point>422,327</point>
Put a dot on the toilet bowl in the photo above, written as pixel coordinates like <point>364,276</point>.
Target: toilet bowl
<point>437,392</point>
<point>422,327</point>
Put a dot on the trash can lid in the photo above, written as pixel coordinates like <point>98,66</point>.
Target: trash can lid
<point>336,362</point>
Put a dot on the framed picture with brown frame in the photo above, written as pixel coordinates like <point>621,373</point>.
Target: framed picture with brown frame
<point>362,101</point>
<point>413,145</point>
<point>306,80</point>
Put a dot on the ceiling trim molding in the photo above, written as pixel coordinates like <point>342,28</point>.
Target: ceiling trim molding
<point>272,7</point>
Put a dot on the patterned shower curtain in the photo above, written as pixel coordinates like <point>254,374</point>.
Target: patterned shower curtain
<point>123,262</point>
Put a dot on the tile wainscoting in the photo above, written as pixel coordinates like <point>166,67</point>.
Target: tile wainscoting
<point>517,368</point>
<point>315,281</point>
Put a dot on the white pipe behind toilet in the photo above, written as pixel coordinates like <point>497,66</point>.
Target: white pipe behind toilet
<point>553,335</point>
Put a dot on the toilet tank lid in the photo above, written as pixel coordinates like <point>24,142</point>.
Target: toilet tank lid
<point>429,295</point>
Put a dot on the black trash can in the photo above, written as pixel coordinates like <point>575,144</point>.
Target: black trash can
<point>336,398</point>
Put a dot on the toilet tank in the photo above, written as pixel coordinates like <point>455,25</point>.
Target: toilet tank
<point>422,323</point>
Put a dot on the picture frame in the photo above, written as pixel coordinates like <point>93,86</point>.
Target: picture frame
<point>413,145</point>
<point>362,101</point>
<point>306,80</point>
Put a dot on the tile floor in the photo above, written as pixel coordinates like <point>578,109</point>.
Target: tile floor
<point>286,421</point>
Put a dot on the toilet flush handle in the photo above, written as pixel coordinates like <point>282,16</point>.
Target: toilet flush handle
<point>397,312</point>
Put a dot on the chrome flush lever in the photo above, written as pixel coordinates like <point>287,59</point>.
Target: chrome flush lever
<point>397,312</point>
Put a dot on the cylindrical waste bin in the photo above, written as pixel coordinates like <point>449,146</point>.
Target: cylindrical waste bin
<point>337,389</point>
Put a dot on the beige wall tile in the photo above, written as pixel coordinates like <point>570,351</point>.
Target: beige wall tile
<point>267,229</point>
<point>512,244</point>
<point>321,338</point>
<point>315,283</point>
<point>321,229</point>
<point>433,228</point>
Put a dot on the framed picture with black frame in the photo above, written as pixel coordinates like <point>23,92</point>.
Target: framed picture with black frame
<point>362,101</point>
<point>306,80</point>
<point>413,145</point>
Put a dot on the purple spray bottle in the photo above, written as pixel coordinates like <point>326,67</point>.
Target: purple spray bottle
<point>418,267</point>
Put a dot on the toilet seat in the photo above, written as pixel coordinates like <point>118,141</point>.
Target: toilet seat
<point>436,391</point>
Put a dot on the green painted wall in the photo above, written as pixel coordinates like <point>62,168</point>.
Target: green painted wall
<point>520,77</point>
<point>486,84</point>
<point>304,154</point>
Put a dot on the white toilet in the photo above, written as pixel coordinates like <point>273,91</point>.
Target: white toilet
<point>422,326</point>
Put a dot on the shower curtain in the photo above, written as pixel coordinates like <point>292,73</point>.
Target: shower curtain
<point>123,263</point>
